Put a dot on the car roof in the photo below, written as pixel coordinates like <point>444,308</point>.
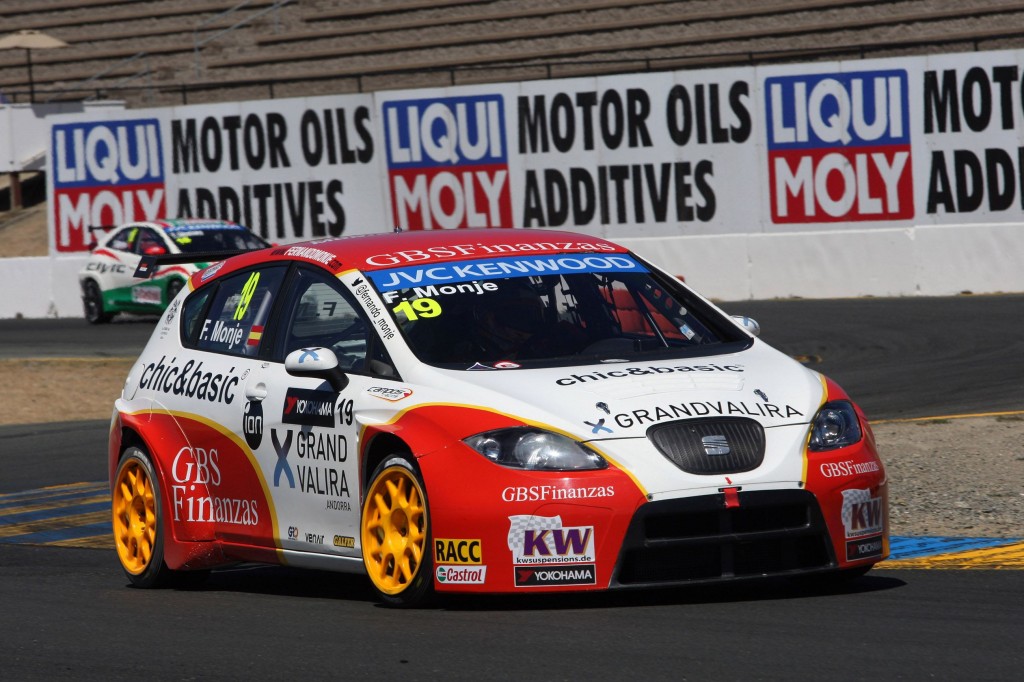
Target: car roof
<point>189,224</point>
<point>421,247</point>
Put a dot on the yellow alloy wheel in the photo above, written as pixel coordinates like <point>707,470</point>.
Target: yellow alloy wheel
<point>135,517</point>
<point>394,531</point>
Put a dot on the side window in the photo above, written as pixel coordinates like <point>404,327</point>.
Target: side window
<point>320,313</point>
<point>238,311</point>
<point>149,243</point>
<point>124,240</point>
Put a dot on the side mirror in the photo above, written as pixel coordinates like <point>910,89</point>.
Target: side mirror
<point>154,251</point>
<point>319,363</point>
<point>748,323</point>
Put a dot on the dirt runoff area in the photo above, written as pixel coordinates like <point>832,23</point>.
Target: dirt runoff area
<point>955,476</point>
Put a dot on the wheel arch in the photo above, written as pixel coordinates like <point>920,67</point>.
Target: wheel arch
<point>162,450</point>
<point>379,447</point>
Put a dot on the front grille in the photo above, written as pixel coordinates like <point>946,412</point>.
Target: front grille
<point>726,445</point>
<point>773,532</point>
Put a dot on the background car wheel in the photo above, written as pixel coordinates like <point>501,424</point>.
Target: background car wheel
<point>173,287</point>
<point>92,300</point>
<point>395,531</point>
<point>138,526</point>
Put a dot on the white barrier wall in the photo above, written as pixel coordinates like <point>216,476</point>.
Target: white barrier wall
<point>885,177</point>
<point>925,261</point>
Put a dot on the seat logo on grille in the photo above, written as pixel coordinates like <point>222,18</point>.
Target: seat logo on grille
<point>715,445</point>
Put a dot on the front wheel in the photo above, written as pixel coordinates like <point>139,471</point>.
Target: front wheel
<point>92,301</point>
<point>395,533</point>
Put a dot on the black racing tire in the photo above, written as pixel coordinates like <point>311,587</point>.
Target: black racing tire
<point>395,533</point>
<point>138,524</point>
<point>92,302</point>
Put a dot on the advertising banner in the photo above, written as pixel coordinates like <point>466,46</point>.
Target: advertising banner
<point>797,148</point>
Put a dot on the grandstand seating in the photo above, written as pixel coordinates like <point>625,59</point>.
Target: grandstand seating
<point>145,51</point>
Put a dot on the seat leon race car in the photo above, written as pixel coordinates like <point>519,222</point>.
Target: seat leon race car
<point>108,279</point>
<point>494,411</point>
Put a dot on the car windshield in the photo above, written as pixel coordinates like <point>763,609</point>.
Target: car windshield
<point>549,311</point>
<point>213,238</point>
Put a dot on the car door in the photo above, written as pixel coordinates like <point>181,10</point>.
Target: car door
<point>222,483</point>
<point>309,449</point>
<point>117,277</point>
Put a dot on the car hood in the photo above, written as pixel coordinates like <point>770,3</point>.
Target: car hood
<point>624,399</point>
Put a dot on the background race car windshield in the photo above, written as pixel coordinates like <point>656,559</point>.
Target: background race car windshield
<point>590,308</point>
<point>193,240</point>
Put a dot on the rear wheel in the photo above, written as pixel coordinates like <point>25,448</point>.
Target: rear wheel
<point>138,525</point>
<point>395,532</point>
<point>92,301</point>
<point>173,287</point>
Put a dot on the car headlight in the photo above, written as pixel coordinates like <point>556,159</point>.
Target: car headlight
<point>835,426</point>
<point>525,447</point>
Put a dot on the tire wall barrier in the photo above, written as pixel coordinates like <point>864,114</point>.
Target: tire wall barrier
<point>888,177</point>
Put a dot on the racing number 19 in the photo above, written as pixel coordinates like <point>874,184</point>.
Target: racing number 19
<point>421,307</point>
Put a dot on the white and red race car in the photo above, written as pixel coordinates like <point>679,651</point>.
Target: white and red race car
<point>108,281</point>
<point>493,411</point>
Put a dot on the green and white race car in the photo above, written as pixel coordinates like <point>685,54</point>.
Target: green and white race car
<point>108,282</point>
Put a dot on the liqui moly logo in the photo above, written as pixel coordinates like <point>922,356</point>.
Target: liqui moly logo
<point>105,173</point>
<point>448,162</point>
<point>839,147</point>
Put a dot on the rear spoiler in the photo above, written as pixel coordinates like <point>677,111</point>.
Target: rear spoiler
<point>150,264</point>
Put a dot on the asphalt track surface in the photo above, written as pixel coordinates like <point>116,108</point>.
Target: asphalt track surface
<point>68,613</point>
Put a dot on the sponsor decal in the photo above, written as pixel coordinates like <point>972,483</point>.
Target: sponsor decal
<point>149,295</point>
<point>194,471</point>
<point>642,371</point>
<point>839,147</point>
<point>314,538</point>
<point>461,575</point>
<point>105,173</point>
<point>541,576</point>
<point>293,533</point>
<point>457,551</point>
<point>252,423</point>
<point>104,268</point>
<point>864,549</point>
<point>211,271</point>
<point>861,513</point>
<point>447,162</point>
<point>344,541</point>
<point>847,468</point>
<point>437,253</point>
<point>544,540</point>
<point>316,474</point>
<point>598,426</point>
<point>547,493</point>
<point>392,394</point>
<point>308,407</point>
<point>172,310</point>
<point>704,409</point>
<point>189,380</point>
<point>325,258</point>
<point>495,268</point>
